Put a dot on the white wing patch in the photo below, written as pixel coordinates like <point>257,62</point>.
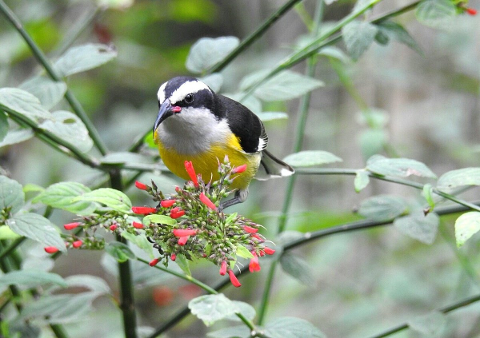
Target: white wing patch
<point>262,144</point>
<point>161,93</point>
<point>190,87</point>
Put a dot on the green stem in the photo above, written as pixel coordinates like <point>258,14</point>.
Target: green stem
<point>445,310</point>
<point>253,37</point>
<point>298,142</point>
<point>12,247</point>
<point>42,59</point>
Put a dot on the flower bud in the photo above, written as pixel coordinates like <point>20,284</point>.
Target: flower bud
<point>239,169</point>
<point>233,279</point>
<point>141,185</point>
<point>173,257</point>
<point>250,230</point>
<point>143,210</point>
<point>137,225</point>
<point>167,203</point>
<point>51,249</point>
<point>191,172</point>
<point>176,213</point>
<point>71,226</point>
<point>184,232</point>
<point>183,240</point>
<point>77,244</point>
<point>205,200</point>
<point>113,227</point>
<point>223,268</point>
<point>269,251</point>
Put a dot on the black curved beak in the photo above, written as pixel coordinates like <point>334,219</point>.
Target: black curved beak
<point>164,112</point>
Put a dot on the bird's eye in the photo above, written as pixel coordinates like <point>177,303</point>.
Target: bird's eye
<point>189,98</point>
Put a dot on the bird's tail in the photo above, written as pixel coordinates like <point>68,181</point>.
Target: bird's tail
<point>271,167</point>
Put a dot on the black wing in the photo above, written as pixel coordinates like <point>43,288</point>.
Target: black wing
<point>243,123</point>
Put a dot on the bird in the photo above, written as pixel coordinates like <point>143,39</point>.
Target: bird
<point>196,124</point>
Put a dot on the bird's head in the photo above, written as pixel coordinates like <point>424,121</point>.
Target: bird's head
<point>185,96</point>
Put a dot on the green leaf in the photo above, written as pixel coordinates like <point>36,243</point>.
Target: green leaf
<point>245,309</point>
<point>308,158</point>
<point>111,198</point>
<point>58,309</point>
<point>243,252</point>
<point>15,136</point>
<point>399,33</point>
<point>160,219</point>
<point>116,4</point>
<point>31,278</point>
<point>206,52</point>
<point>270,116</point>
<point>399,167</point>
<point>49,92</point>
<point>61,196</point>
<point>81,58</point>
<point>297,268</point>
<point>361,180</point>
<point>231,332</point>
<point>182,262</point>
<point>11,195</point>
<point>372,141</point>
<point>290,327</point>
<point>7,233</point>
<point>382,207</point>
<point>3,125</point>
<point>38,228</point>
<point>92,283</point>
<point>284,86</point>
<point>382,38</point>
<point>334,53</point>
<point>141,241</point>
<point>436,13</point>
<point>69,127</point>
<point>431,324</point>
<point>23,103</point>
<point>418,226</point>
<point>466,226</point>
<point>251,102</point>
<point>459,178</point>
<point>121,252</point>
<point>214,81</point>
<point>427,193</point>
<point>211,308</point>
<point>358,36</point>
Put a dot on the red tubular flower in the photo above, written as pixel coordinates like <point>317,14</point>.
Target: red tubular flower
<point>254,265</point>
<point>239,169</point>
<point>205,200</point>
<point>250,230</point>
<point>141,185</point>
<point>183,240</point>
<point>223,268</point>
<point>167,203</point>
<point>137,225</point>
<point>113,227</point>
<point>50,249</point>
<point>176,213</point>
<point>184,232</point>
<point>269,251</point>
<point>234,279</point>
<point>143,210</point>
<point>154,262</point>
<point>71,226</point>
<point>191,172</point>
<point>77,244</point>
<point>257,236</point>
<point>471,11</point>
<point>173,257</point>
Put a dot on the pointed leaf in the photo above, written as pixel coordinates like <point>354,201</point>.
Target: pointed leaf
<point>81,58</point>
<point>231,332</point>
<point>160,219</point>
<point>49,92</point>
<point>334,53</point>
<point>466,226</point>
<point>418,226</point>
<point>31,278</point>
<point>358,36</point>
<point>211,308</point>
<point>436,13</point>
<point>23,103</point>
<point>92,283</point>
<point>290,327</point>
<point>400,167</point>
<point>427,193</point>
<point>309,158</point>
<point>3,125</point>
<point>69,127</point>
<point>61,196</point>
<point>284,86</point>
<point>121,252</point>
<point>399,33</point>
<point>7,233</point>
<point>297,268</point>
<point>459,178</point>
<point>15,136</point>
<point>141,241</point>
<point>206,52</point>
<point>245,309</point>
<point>431,324</point>
<point>182,262</point>
<point>382,207</point>
<point>243,252</point>
<point>11,195</point>
<point>361,180</point>
<point>111,198</point>
<point>251,102</point>
<point>214,81</point>
<point>38,228</point>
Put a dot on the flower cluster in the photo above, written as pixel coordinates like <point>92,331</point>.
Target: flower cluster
<point>188,223</point>
<point>463,8</point>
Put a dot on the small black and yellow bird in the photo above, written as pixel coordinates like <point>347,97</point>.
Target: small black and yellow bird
<point>196,124</point>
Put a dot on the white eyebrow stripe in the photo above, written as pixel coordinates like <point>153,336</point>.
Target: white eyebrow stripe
<point>161,93</point>
<point>190,87</point>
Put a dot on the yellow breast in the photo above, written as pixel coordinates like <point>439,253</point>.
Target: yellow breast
<point>206,163</point>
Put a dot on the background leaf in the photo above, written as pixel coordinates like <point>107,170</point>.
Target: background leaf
<point>358,36</point>
<point>49,92</point>
<point>11,194</point>
<point>382,207</point>
<point>431,324</point>
<point>289,327</point>
<point>3,125</point>
<point>31,278</point>
<point>418,226</point>
<point>270,116</point>
<point>211,308</point>
<point>82,58</point>
<point>399,167</point>
<point>120,251</point>
<point>206,52</point>
<point>466,226</point>
<point>23,103</point>
<point>436,13</point>
<point>361,180</point>
<point>297,268</point>
<point>309,158</point>
<point>111,198</point>
<point>16,136</point>
<point>38,228</point>
<point>231,332</point>
<point>399,33</point>
<point>459,178</point>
